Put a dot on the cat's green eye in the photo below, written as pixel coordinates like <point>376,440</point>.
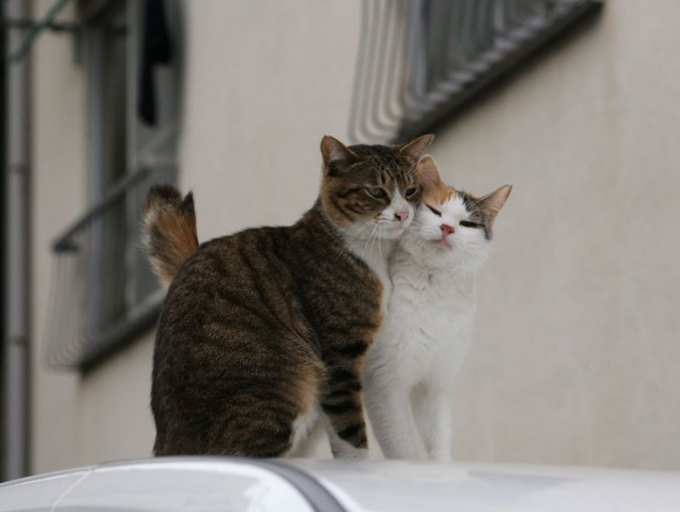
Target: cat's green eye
<point>410,191</point>
<point>376,192</point>
<point>468,224</point>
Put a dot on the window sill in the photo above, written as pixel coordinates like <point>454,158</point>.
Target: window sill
<point>123,334</point>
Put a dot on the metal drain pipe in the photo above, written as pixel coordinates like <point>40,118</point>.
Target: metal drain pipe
<point>16,354</point>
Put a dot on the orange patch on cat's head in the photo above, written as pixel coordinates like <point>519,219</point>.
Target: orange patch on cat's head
<point>438,194</point>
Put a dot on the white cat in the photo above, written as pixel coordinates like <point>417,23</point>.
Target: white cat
<point>428,329</point>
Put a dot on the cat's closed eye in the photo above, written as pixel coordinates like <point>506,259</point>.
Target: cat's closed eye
<point>434,210</point>
<point>376,192</point>
<point>469,224</point>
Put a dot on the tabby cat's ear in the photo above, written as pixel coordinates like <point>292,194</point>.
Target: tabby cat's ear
<point>493,202</point>
<point>413,149</point>
<point>427,172</point>
<point>334,151</point>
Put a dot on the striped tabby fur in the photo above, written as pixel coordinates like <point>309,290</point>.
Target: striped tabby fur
<point>264,330</point>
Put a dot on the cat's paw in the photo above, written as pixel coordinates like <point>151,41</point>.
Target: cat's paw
<point>343,450</point>
<point>349,452</point>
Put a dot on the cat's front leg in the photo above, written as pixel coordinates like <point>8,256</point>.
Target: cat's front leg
<point>434,418</point>
<point>343,414</point>
<point>341,448</point>
<point>390,414</point>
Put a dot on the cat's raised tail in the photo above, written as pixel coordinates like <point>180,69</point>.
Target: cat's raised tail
<point>169,230</point>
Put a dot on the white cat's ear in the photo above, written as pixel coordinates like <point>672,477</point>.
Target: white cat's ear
<point>333,150</point>
<point>493,202</point>
<point>427,172</point>
<point>414,148</point>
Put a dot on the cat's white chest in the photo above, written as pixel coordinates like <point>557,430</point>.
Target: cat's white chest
<point>429,322</point>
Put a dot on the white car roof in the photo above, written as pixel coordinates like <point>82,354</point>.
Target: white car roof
<point>396,486</point>
<point>223,484</point>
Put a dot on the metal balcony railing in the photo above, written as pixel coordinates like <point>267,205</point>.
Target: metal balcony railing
<point>103,292</point>
<point>421,60</point>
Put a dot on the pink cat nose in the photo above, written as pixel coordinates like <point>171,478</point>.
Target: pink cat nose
<point>446,229</point>
<point>401,215</point>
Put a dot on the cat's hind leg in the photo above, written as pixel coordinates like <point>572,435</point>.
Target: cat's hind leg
<point>309,394</point>
<point>269,415</point>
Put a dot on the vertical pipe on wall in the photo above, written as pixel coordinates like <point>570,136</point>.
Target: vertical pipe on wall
<point>16,355</point>
<point>3,224</point>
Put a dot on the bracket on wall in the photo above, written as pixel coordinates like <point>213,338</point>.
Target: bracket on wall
<point>29,24</point>
<point>37,28</point>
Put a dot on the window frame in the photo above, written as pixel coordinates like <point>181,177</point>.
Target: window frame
<point>394,97</point>
<point>84,348</point>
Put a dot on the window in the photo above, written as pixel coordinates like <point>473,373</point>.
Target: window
<point>104,292</point>
<point>421,60</point>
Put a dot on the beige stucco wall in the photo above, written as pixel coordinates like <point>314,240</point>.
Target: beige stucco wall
<point>58,197</point>
<point>266,80</point>
<point>101,415</point>
<point>576,354</point>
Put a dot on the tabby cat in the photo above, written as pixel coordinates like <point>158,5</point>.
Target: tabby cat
<point>264,331</point>
<point>423,340</point>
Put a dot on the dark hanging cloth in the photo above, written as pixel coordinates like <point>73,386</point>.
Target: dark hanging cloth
<point>156,49</point>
